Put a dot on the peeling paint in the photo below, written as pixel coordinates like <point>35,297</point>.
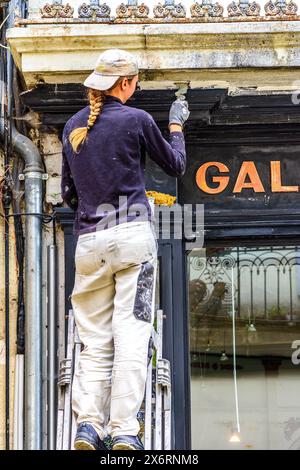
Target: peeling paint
<point>212,53</point>
<point>2,351</point>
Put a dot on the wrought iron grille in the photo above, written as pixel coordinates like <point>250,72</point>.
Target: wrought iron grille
<point>267,298</point>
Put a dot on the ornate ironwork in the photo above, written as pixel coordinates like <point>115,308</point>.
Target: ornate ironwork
<point>243,8</point>
<point>281,8</point>
<point>57,10</point>
<point>169,10</point>
<point>206,8</point>
<point>94,10</point>
<point>291,433</point>
<point>132,10</point>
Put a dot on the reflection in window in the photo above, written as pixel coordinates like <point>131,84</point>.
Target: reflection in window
<point>267,321</point>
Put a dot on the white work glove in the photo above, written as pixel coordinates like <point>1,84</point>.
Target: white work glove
<point>179,111</point>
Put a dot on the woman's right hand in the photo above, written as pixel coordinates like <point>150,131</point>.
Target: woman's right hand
<point>179,112</point>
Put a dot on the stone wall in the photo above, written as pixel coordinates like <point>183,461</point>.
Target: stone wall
<point>13,275</point>
<point>50,148</point>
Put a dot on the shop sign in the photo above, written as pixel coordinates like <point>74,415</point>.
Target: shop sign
<point>248,177</point>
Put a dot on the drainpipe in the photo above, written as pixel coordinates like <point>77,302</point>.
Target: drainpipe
<point>33,177</point>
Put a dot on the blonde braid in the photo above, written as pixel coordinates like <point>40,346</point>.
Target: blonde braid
<point>96,100</point>
<point>96,103</point>
<point>79,135</point>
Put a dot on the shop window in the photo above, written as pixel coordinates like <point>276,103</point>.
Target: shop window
<point>244,334</point>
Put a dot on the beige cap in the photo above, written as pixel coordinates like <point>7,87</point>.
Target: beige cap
<point>110,65</point>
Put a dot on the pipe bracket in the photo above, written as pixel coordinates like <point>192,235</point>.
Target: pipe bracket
<point>33,174</point>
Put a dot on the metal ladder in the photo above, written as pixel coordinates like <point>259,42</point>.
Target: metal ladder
<point>155,413</point>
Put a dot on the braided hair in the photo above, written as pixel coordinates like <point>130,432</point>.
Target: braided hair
<point>96,100</point>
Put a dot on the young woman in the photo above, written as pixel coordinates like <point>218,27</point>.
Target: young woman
<point>104,147</point>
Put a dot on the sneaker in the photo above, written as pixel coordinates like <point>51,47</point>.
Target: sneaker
<point>127,443</point>
<point>87,438</point>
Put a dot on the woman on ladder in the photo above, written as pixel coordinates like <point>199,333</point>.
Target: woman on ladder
<point>104,148</point>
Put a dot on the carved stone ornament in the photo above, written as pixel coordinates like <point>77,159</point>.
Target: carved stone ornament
<point>281,8</point>
<point>56,10</point>
<point>132,10</point>
<point>243,8</point>
<point>169,10</point>
<point>94,10</point>
<point>206,8</point>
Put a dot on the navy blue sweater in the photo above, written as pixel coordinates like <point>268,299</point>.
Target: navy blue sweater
<point>106,177</point>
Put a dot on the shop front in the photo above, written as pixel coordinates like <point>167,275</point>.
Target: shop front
<point>244,304</point>
<point>232,303</point>
<point>232,306</point>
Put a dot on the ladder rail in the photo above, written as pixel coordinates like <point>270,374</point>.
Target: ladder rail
<point>64,381</point>
<point>77,343</point>
<point>158,388</point>
<point>148,406</point>
<point>68,372</point>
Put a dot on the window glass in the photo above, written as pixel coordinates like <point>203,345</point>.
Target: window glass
<point>244,332</point>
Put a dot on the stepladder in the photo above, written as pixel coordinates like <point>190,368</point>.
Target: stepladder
<point>155,413</point>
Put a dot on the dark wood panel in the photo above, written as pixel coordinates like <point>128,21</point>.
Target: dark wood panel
<point>263,193</point>
<point>209,107</point>
<point>224,128</point>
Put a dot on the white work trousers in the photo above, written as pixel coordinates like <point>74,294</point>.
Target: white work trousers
<point>113,303</point>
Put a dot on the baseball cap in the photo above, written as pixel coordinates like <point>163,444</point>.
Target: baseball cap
<point>110,65</point>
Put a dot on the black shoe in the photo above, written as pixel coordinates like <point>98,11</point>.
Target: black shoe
<point>87,438</point>
<point>127,443</point>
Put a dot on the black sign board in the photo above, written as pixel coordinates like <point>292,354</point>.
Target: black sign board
<point>242,177</point>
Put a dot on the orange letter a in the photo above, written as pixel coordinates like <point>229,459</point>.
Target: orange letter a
<point>248,169</point>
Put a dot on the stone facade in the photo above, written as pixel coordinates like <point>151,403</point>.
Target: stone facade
<point>214,45</point>
<point>13,273</point>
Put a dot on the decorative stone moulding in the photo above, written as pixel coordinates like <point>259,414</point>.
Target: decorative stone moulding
<point>94,10</point>
<point>169,10</point>
<point>132,10</point>
<point>57,10</point>
<point>281,8</point>
<point>243,8</point>
<point>206,8</point>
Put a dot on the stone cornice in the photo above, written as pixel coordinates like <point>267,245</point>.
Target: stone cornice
<point>50,53</point>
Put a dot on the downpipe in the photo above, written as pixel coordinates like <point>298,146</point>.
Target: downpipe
<point>33,176</point>
<point>33,179</point>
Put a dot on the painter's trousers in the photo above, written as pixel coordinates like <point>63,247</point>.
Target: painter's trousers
<point>113,303</point>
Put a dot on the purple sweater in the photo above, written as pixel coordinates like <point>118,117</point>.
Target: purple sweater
<point>103,181</point>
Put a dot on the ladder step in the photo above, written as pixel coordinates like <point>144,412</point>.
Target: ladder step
<point>163,372</point>
<point>65,372</point>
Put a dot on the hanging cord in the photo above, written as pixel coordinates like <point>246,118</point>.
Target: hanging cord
<point>1,26</point>
<point>6,18</point>
<point>46,219</point>
<point>5,194</point>
<point>53,217</point>
<point>44,215</point>
<point>18,167</point>
<point>234,355</point>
